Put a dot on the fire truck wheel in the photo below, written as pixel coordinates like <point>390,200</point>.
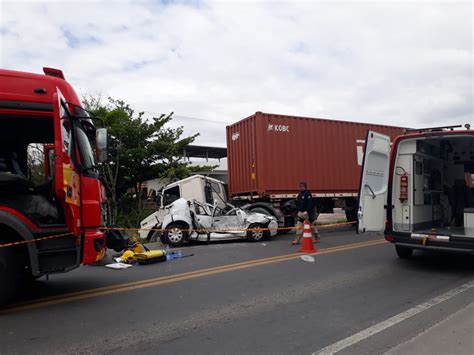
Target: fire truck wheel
<point>404,253</point>
<point>10,271</point>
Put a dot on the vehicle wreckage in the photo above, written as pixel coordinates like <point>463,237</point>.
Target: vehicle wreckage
<point>193,220</point>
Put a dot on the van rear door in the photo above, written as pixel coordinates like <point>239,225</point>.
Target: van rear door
<point>374,183</point>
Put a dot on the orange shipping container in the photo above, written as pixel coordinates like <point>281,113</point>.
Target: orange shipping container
<point>270,154</point>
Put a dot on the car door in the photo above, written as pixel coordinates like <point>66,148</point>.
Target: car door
<point>203,216</point>
<point>374,183</point>
<point>227,223</point>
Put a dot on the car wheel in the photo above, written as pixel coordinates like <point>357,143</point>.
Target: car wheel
<point>255,235</point>
<point>403,252</point>
<point>176,234</point>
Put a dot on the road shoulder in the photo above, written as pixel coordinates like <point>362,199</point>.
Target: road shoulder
<point>453,335</point>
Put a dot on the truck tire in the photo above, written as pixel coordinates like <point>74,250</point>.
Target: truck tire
<point>261,210</point>
<point>403,253</point>
<point>351,215</point>
<point>175,234</point>
<point>10,274</point>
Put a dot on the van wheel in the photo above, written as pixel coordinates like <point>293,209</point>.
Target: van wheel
<point>175,234</point>
<point>403,252</point>
<point>10,274</point>
<point>255,235</point>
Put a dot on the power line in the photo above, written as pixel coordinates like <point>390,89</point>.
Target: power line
<point>188,117</point>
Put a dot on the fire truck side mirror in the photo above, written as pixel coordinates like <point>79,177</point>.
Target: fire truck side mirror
<point>101,142</point>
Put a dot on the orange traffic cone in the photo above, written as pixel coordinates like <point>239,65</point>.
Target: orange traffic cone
<point>307,246</point>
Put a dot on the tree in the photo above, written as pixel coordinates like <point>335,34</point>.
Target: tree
<point>140,149</point>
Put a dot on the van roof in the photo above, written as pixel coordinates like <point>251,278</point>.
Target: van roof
<point>194,177</point>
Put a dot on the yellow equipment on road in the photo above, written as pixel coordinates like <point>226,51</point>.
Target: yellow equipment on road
<point>151,256</point>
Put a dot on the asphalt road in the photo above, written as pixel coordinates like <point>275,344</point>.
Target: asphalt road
<point>357,297</point>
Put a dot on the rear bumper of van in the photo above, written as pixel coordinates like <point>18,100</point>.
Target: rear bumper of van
<point>464,245</point>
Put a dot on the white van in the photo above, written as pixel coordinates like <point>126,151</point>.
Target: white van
<point>419,190</point>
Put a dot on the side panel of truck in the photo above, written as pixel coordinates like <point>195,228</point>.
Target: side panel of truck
<point>270,154</point>
<point>374,183</point>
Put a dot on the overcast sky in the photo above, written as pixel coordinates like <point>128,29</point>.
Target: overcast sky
<point>398,63</point>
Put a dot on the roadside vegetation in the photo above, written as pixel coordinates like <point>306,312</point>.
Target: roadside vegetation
<point>141,148</point>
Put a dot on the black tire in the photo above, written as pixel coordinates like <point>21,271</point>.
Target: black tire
<point>256,235</point>
<point>403,252</point>
<point>154,236</point>
<point>351,215</point>
<point>175,234</point>
<point>11,270</point>
<point>261,210</point>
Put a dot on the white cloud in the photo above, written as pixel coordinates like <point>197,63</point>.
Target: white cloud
<point>406,63</point>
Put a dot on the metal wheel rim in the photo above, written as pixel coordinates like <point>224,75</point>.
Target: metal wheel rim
<point>257,234</point>
<point>175,235</point>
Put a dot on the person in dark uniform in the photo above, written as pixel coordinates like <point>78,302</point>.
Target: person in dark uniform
<point>306,211</point>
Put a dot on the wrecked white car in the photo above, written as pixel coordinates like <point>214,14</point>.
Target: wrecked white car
<point>192,220</point>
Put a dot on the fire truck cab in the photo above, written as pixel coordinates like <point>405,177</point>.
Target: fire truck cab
<point>420,190</point>
<point>49,182</point>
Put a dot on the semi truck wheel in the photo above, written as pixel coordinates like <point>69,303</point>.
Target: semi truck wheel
<point>261,210</point>
<point>10,272</point>
<point>351,214</point>
<point>267,212</point>
<point>403,253</point>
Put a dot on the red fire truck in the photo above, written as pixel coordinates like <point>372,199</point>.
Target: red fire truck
<point>49,182</point>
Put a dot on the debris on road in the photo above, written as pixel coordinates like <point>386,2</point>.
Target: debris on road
<point>151,256</point>
<point>176,255</point>
<point>118,266</point>
<point>129,258</point>
<point>307,258</point>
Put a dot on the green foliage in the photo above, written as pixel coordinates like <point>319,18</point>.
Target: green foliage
<point>35,162</point>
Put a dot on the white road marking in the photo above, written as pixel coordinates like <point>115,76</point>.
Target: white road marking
<point>364,334</point>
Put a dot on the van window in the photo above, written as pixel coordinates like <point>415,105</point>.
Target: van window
<point>170,195</point>
<point>208,194</point>
<point>216,187</point>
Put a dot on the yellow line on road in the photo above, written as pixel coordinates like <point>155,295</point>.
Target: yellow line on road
<point>102,291</point>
